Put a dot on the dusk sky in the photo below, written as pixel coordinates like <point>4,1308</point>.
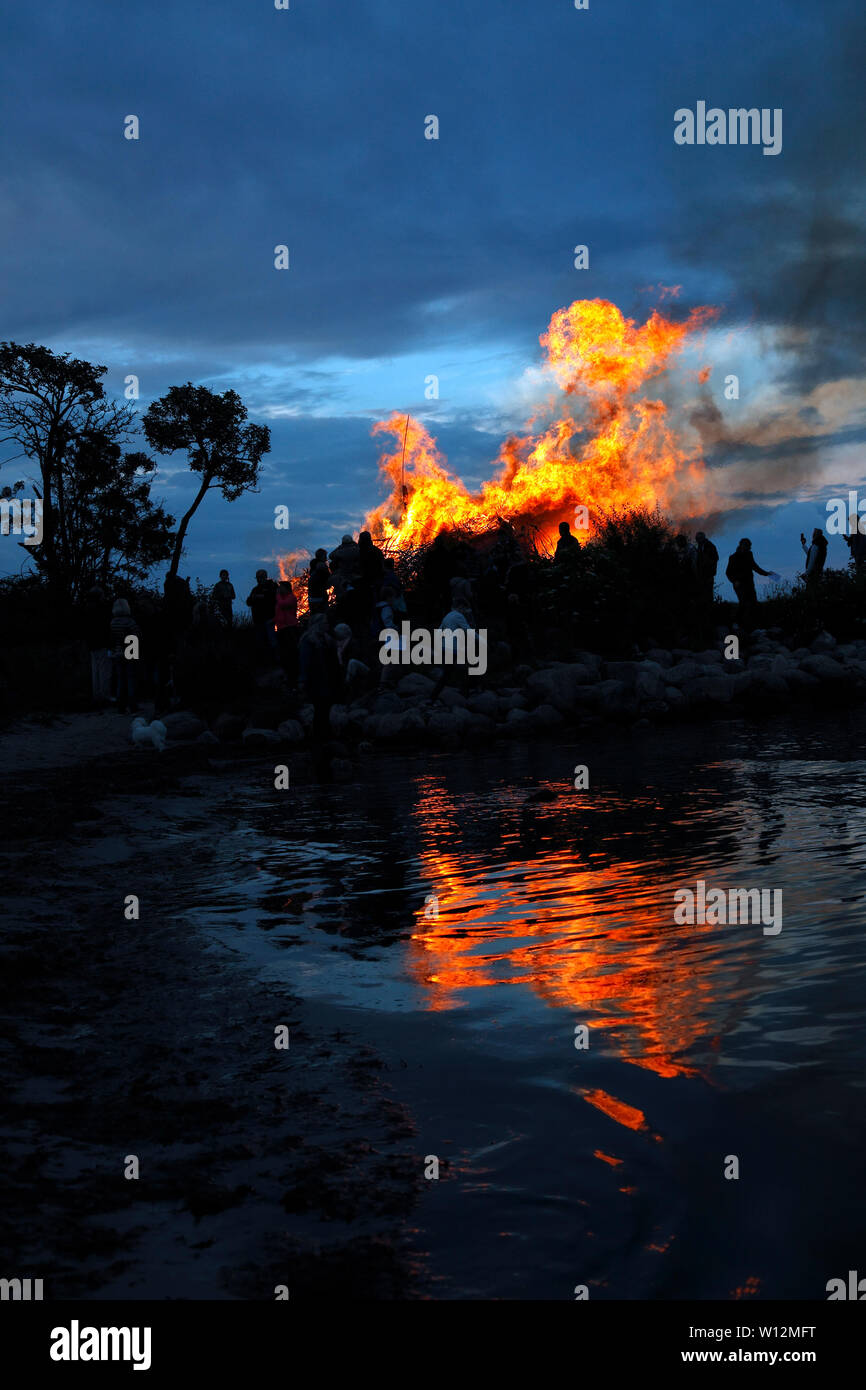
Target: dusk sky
<point>411,257</point>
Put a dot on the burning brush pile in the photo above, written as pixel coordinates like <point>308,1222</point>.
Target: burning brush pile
<point>599,446</point>
<point>600,453</point>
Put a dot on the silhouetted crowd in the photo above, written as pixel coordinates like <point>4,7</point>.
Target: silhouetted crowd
<point>330,652</point>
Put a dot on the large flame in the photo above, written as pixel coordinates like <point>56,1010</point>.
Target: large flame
<point>606,447</point>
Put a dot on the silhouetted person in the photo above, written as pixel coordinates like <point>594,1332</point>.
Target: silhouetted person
<point>125,668</point>
<point>392,580</point>
<point>461,596</point>
<point>318,583</point>
<point>385,616</point>
<point>741,571</point>
<point>345,563</point>
<point>95,621</point>
<point>288,630</point>
<point>320,673</point>
<point>816,555</point>
<point>353,670</point>
<point>706,562</point>
<point>177,606</point>
<point>261,602</point>
<point>350,608</point>
<point>568,546</point>
<point>453,673</point>
<point>518,629</point>
<point>223,596</point>
<point>155,650</point>
<point>857,546</point>
<point>372,563</point>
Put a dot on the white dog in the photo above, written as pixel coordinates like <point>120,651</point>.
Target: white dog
<point>153,734</point>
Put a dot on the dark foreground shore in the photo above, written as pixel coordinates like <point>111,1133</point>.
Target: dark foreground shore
<point>258,1166</point>
<point>448,1033</point>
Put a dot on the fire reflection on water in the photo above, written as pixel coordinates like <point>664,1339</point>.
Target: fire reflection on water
<point>596,937</point>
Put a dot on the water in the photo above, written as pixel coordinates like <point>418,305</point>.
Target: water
<point>602,1166</point>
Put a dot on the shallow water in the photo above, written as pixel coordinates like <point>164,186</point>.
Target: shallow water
<point>602,1166</point>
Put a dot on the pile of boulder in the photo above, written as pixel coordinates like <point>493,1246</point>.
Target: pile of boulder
<point>660,686</point>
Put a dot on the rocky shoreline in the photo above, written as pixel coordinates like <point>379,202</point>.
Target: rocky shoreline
<point>659,687</point>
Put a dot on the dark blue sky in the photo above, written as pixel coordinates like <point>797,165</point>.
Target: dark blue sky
<point>411,257</point>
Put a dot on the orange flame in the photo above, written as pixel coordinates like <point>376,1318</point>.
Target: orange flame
<point>617,450</point>
<point>289,567</point>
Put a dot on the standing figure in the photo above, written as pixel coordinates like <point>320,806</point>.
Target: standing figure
<point>223,596</point>
<point>741,571</point>
<point>816,555</point>
<point>262,601</point>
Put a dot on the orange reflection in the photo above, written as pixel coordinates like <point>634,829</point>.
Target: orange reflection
<point>597,940</point>
<point>627,1115</point>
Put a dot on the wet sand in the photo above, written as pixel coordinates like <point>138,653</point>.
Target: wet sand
<point>258,1166</point>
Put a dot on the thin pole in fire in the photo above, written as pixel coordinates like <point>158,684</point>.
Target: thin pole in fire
<point>402,464</point>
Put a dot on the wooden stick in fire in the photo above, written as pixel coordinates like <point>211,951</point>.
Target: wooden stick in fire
<point>402,463</point>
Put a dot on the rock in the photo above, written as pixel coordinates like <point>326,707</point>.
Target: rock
<point>556,685</point>
<point>365,746</point>
<point>305,714</point>
<point>228,727</point>
<point>801,680</point>
<point>823,643</point>
<point>616,701</point>
<point>451,699</point>
<point>608,689</point>
<point>414,723</point>
<point>415,684</point>
<point>591,661</point>
<point>342,770</point>
<point>517,721</point>
<point>543,717</point>
<point>270,680</point>
<point>445,722</point>
<point>676,700</point>
<point>625,671</point>
<point>261,737</point>
<point>683,672</point>
<point>649,684</point>
<point>510,701</point>
<point>291,731</point>
<point>824,667</point>
<point>768,688</point>
<point>182,725</point>
<point>714,690</point>
<point>480,726</point>
<point>485,702</point>
<point>387,702</point>
<point>660,657</point>
<point>387,727</point>
<point>207,737</point>
<point>586,697</point>
<point>774,663</point>
<point>710,657</point>
<point>338,719</point>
